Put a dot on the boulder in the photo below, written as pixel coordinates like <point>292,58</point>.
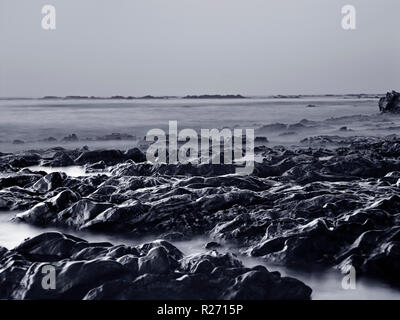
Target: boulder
<point>110,157</point>
<point>390,103</point>
<point>49,182</point>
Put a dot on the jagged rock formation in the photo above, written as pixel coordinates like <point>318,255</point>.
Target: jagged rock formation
<point>390,103</point>
<point>303,207</point>
<point>155,270</point>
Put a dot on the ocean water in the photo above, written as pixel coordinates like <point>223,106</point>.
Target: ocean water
<point>34,120</point>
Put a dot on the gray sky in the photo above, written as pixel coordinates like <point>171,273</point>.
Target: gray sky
<point>177,47</point>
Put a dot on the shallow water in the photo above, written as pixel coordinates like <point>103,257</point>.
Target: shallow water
<point>325,286</point>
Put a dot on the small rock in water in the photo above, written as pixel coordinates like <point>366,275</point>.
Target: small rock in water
<point>212,245</point>
<point>390,103</point>
<point>71,138</point>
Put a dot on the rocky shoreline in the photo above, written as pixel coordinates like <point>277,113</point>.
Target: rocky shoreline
<point>155,270</point>
<point>306,207</point>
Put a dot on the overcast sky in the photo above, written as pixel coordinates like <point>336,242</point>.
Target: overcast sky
<point>177,47</point>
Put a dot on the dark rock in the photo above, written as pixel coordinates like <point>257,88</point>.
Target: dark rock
<point>155,270</point>
<point>212,245</point>
<point>25,160</point>
<point>60,159</point>
<point>49,182</point>
<point>390,103</point>
<point>263,285</point>
<point>110,157</point>
<point>135,155</point>
<point>101,165</point>
<point>20,180</point>
<point>156,261</point>
<point>71,138</point>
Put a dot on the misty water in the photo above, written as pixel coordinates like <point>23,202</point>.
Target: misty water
<point>31,121</point>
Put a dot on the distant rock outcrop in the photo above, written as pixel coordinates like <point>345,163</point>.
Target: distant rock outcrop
<point>390,103</point>
<point>215,96</point>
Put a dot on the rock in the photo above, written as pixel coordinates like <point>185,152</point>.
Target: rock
<point>390,103</point>
<point>51,246</point>
<point>110,157</point>
<point>101,165</point>
<point>81,212</point>
<point>135,155</point>
<point>25,160</point>
<point>60,159</point>
<point>263,285</point>
<point>71,138</point>
<point>49,182</point>
<point>204,266</point>
<point>116,136</point>
<point>212,245</point>
<point>131,262</point>
<point>261,140</point>
<point>20,180</point>
<point>155,270</point>
<point>50,139</point>
<point>156,261</point>
<point>74,279</point>
<point>45,213</point>
<point>302,206</point>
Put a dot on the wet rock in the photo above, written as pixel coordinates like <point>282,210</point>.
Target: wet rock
<point>264,285</point>
<point>156,261</point>
<point>45,213</point>
<point>135,155</point>
<point>50,139</point>
<point>261,140</point>
<point>390,103</point>
<point>302,206</point>
<point>70,138</point>
<point>24,160</point>
<point>74,279</point>
<point>19,180</point>
<point>60,159</point>
<point>155,270</point>
<point>116,136</point>
<point>101,165</point>
<point>81,212</point>
<point>212,245</point>
<point>49,182</point>
<point>131,262</point>
<point>51,246</point>
<point>110,157</point>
